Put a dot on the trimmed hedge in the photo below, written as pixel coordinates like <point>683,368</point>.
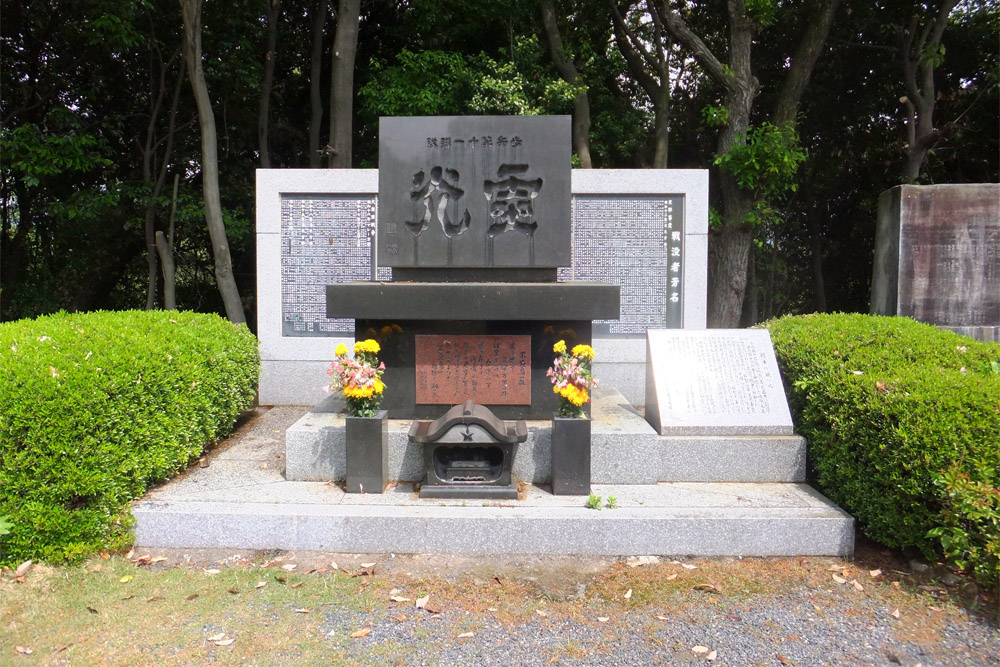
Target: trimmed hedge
<point>95,407</point>
<point>903,427</point>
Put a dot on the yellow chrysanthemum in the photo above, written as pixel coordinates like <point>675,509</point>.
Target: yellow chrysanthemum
<point>341,350</point>
<point>575,395</point>
<point>387,330</point>
<point>583,351</point>
<point>559,347</point>
<point>367,345</point>
<point>379,386</point>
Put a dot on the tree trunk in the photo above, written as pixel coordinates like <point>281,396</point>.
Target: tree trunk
<point>569,73</point>
<point>267,83</point>
<point>345,49</point>
<point>661,126</point>
<point>918,58</point>
<point>148,155</point>
<point>315,72</point>
<point>191,11</point>
<point>165,246</point>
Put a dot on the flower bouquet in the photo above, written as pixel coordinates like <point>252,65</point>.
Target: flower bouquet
<point>360,378</point>
<point>572,379</point>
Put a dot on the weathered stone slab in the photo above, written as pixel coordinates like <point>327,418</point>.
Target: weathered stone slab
<point>474,191</point>
<point>937,256</point>
<point>494,369</point>
<point>716,382</point>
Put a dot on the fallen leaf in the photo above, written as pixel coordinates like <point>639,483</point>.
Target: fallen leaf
<point>933,608</point>
<point>706,587</point>
<point>302,610</point>
<point>105,555</point>
<point>158,559</point>
<point>399,598</point>
<point>874,573</point>
<point>280,579</point>
<point>128,556</point>
<point>212,571</point>
<point>296,584</point>
<point>23,650</point>
<point>541,612</point>
<point>215,638</point>
<point>835,568</point>
<point>699,649</point>
<point>401,618</point>
<point>857,586</point>
<point>711,656</point>
<point>225,642</point>
<point>465,635</point>
<point>603,619</point>
<point>782,659</point>
<point>839,580</point>
<point>91,610</point>
<point>367,565</point>
<point>895,584</point>
<point>422,602</point>
<point>333,564</point>
<point>628,594</point>
<point>234,591</point>
<point>127,578</point>
<point>363,572</point>
<point>153,598</point>
<point>289,566</point>
<point>895,613</point>
<point>363,632</point>
<point>193,596</point>
<point>431,608</point>
<point>663,618</point>
<point>261,584</point>
<point>671,577</point>
<point>491,609</point>
<point>312,570</point>
<point>433,616</point>
<point>688,566</point>
<point>63,647</point>
<point>128,597</point>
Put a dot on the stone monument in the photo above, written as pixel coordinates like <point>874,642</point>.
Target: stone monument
<point>474,220</point>
<point>937,257</point>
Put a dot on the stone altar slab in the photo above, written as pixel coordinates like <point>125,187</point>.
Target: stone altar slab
<point>474,191</point>
<point>716,382</point>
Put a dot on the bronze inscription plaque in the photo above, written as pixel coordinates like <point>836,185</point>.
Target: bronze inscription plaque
<point>490,370</point>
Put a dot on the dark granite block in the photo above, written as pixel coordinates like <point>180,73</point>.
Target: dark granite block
<point>474,301</point>
<point>474,191</point>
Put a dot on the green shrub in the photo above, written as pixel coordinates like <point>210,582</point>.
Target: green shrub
<point>903,425</point>
<point>95,407</point>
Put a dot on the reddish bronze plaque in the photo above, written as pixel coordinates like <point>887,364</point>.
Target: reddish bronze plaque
<point>490,370</point>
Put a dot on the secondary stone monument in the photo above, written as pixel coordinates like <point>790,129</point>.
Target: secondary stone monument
<point>474,220</point>
<point>937,257</point>
<point>714,383</point>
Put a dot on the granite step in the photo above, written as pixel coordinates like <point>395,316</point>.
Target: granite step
<point>694,519</point>
<point>760,458</point>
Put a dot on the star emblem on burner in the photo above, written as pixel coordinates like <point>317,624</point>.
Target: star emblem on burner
<point>467,436</point>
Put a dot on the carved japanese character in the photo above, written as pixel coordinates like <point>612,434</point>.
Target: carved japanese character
<point>435,192</point>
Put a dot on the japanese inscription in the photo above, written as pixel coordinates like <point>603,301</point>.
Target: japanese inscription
<point>431,171</point>
<point>490,370</point>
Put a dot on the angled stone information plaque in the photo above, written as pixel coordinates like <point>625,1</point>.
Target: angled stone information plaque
<point>474,191</point>
<point>715,382</point>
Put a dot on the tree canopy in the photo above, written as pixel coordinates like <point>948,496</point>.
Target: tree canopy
<point>802,128</point>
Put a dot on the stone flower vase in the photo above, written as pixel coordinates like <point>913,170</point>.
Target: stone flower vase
<point>367,441</point>
<point>570,456</point>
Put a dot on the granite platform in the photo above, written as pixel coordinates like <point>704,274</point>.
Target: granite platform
<point>242,498</point>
